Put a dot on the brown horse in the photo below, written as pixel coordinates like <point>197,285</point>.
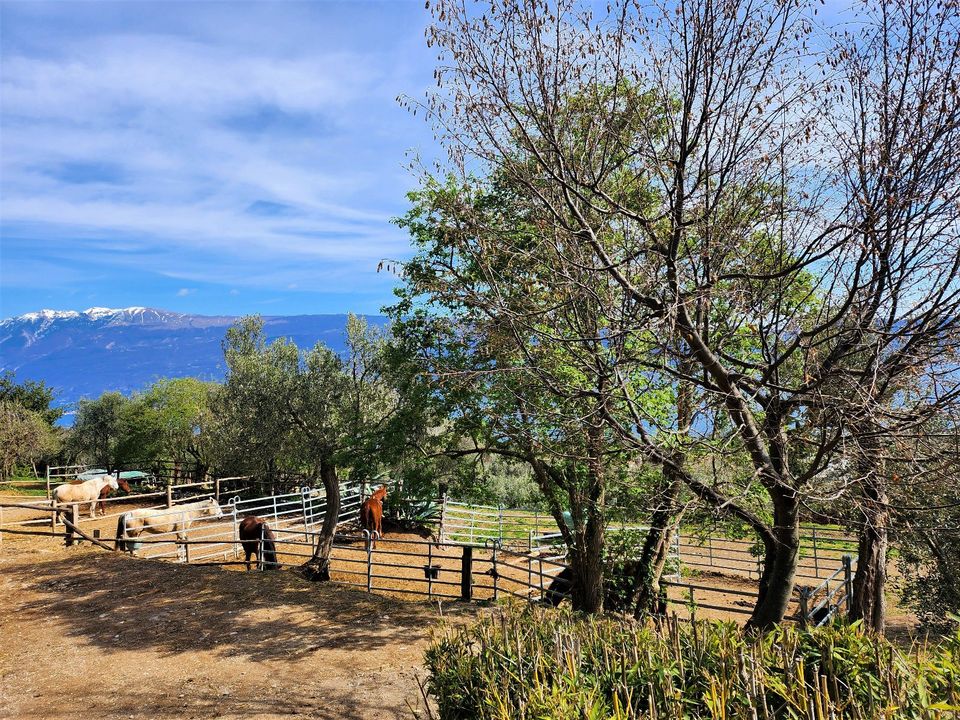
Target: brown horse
<point>371,512</point>
<point>258,539</point>
<point>107,491</point>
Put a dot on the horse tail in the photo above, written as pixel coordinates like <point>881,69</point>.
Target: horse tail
<point>269,549</point>
<point>121,544</point>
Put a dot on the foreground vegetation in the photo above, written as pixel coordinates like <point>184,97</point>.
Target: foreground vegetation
<point>539,664</point>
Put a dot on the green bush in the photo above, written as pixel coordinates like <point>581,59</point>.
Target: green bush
<point>535,664</point>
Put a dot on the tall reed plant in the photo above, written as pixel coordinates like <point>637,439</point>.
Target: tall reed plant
<point>536,664</point>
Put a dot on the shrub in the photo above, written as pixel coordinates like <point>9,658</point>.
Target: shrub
<point>535,664</point>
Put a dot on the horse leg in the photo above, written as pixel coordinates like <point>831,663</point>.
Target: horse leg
<point>247,553</point>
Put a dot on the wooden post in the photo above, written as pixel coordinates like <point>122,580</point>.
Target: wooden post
<point>443,513</point>
<point>430,571</point>
<point>74,516</point>
<point>49,494</point>
<point>466,573</point>
<point>216,489</point>
<point>848,581</point>
<point>804,606</point>
<point>53,515</point>
<point>169,494</point>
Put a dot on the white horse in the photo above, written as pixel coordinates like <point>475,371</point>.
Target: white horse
<point>87,491</point>
<point>177,519</point>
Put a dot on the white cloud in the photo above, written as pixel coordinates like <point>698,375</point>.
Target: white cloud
<point>165,145</point>
<point>183,292</point>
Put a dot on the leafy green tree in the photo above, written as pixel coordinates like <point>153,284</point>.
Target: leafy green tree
<point>34,396</point>
<point>305,410</point>
<point>114,431</point>
<point>180,409</point>
<point>25,437</point>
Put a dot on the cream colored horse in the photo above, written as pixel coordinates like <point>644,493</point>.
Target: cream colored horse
<point>87,491</point>
<point>167,520</point>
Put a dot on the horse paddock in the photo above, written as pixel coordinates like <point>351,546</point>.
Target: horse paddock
<point>98,634</point>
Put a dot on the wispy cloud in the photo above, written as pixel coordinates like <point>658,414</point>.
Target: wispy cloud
<point>217,139</point>
<point>183,292</point>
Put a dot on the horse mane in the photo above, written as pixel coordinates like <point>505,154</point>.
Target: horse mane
<point>380,493</point>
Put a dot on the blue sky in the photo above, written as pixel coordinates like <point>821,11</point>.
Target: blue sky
<point>209,157</point>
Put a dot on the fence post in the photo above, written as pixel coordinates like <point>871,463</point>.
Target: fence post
<point>53,515</point>
<point>430,571</point>
<point>710,548</point>
<point>74,515</point>
<point>260,549</point>
<point>186,546</point>
<point>848,581</point>
<point>49,495</point>
<point>816,555</point>
<point>304,492</point>
<point>466,573</point>
<point>368,536</point>
<point>495,574</point>
<point>274,508</point>
<point>169,493</point>
<point>443,514</point>
<point>499,522</point>
<point>216,489</point>
<point>236,531</point>
<point>804,606</point>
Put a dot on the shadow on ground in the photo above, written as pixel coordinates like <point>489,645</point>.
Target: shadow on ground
<point>122,603</point>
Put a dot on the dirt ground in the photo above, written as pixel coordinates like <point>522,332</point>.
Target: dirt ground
<point>98,634</point>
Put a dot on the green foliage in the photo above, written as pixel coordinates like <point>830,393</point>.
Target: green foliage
<point>526,664</point>
<point>25,437</point>
<point>33,396</point>
<point>114,430</point>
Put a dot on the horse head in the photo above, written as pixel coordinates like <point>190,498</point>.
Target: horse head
<point>213,509</point>
<point>380,494</point>
<point>123,485</point>
<point>113,482</point>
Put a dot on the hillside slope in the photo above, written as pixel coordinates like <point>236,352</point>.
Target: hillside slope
<point>83,354</point>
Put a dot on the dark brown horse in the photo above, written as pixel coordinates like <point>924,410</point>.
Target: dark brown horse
<point>371,512</point>
<point>258,539</point>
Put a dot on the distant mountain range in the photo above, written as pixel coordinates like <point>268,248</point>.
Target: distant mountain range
<point>83,354</point>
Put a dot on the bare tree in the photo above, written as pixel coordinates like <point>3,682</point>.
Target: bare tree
<point>777,206</point>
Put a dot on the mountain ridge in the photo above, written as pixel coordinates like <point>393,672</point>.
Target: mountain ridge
<point>85,353</point>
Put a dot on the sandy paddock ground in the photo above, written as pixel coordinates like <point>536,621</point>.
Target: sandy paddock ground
<point>84,632</point>
<point>106,635</point>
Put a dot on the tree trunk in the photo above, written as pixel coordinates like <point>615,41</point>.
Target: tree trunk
<point>586,562</point>
<point>647,594</point>
<point>318,567</point>
<point>646,583</point>
<point>589,528</point>
<point>869,582</point>
<point>782,552</point>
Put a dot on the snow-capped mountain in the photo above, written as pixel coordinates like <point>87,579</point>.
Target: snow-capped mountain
<point>83,354</point>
